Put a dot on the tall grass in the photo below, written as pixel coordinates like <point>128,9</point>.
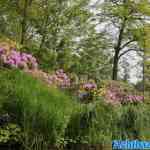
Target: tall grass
<point>133,122</point>
<point>42,112</point>
<point>101,123</point>
<point>50,117</point>
<point>92,125</point>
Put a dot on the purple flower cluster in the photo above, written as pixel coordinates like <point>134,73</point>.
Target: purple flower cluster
<point>59,78</point>
<point>11,57</point>
<point>17,59</point>
<point>134,98</point>
<point>116,95</point>
<point>89,86</point>
<point>1,50</point>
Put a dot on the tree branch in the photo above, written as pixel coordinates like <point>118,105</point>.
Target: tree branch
<point>123,53</point>
<point>127,43</point>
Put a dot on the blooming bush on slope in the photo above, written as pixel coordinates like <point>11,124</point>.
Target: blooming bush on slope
<point>58,78</point>
<point>9,56</point>
<point>13,58</point>
<point>86,91</point>
<point>114,93</point>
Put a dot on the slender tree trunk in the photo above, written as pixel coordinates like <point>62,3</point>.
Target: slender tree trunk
<point>24,20</point>
<point>117,49</point>
<point>45,23</point>
<point>143,65</point>
<point>42,41</point>
<point>115,66</point>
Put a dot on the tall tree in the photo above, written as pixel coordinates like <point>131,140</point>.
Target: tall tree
<point>146,45</point>
<point>125,18</point>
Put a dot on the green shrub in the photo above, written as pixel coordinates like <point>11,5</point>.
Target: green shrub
<point>10,133</point>
<point>100,123</point>
<point>93,124</point>
<point>133,122</point>
<point>42,112</point>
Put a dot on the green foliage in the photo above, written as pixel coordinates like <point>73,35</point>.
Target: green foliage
<point>57,31</point>
<point>125,124</point>
<point>42,112</point>
<point>10,133</point>
<point>47,59</point>
<point>128,19</point>
<point>133,123</point>
<point>93,124</point>
<point>101,123</point>
<point>93,60</point>
<point>61,34</point>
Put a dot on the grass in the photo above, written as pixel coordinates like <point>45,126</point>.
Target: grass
<point>42,112</point>
<point>49,116</point>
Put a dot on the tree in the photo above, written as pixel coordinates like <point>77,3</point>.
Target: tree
<point>25,4</point>
<point>126,18</point>
<point>146,46</point>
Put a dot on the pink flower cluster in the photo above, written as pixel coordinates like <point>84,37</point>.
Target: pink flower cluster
<point>116,95</point>
<point>11,57</point>
<point>89,86</point>
<point>134,98</point>
<point>1,50</point>
<point>17,59</point>
<point>59,78</point>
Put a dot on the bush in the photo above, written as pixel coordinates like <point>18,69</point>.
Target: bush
<point>100,123</point>
<point>42,112</point>
<point>93,124</point>
<point>132,122</point>
<point>10,133</point>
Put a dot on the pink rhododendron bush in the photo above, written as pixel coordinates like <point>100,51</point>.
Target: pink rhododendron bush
<point>58,78</point>
<point>113,92</point>
<point>86,91</point>
<point>11,57</point>
<point>106,106</point>
<point>119,93</point>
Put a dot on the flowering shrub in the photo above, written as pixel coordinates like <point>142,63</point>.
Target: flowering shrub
<point>116,94</point>
<point>11,57</point>
<point>16,59</point>
<point>58,78</point>
<point>89,86</point>
<point>86,91</point>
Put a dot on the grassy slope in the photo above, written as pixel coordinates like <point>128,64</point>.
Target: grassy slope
<point>40,110</point>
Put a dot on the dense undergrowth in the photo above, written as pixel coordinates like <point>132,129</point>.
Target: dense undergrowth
<point>74,73</point>
<point>41,109</point>
<point>42,112</point>
<point>47,116</point>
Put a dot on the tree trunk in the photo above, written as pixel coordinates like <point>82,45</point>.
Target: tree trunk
<point>117,49</point>
<point>23,23</point>
<point>27,3</point>
<point>44,26</point>
<point>115,67</point>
